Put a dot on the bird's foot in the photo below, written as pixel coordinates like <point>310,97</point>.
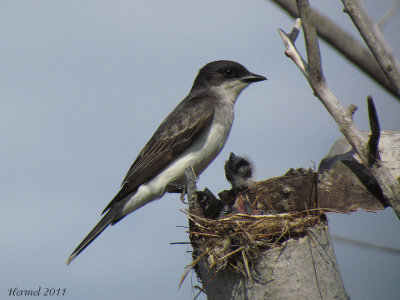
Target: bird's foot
<point>177,188</point>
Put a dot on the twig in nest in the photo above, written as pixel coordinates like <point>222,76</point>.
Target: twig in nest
<point>246,264</point>
<point>237,240</point>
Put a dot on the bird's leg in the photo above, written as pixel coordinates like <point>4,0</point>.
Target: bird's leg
<point>174,188</point>
<point>183,194</point>
<point>177,188</point>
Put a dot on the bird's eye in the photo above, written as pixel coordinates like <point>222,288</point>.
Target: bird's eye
<point>229,73</point>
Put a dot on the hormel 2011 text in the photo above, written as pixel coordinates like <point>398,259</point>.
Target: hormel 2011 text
<point>37,292</point>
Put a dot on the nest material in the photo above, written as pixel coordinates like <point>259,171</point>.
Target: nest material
<point>237,240</point>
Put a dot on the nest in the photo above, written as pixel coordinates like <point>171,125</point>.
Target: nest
<point>237,240</point>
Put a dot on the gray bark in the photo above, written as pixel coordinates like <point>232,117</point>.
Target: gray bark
<point>302,269</point>
<point>389,149</point>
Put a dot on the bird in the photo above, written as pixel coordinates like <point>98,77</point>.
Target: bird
<point>191,136</point>
<point>239,172</point>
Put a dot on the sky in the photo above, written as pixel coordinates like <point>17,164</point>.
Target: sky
<point>84,84</point>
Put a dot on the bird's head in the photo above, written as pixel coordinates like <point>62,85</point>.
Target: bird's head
<point>225,76</point>
<point>239,172</point>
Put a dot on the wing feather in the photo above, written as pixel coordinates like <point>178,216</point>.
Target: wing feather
<point>175,134</point>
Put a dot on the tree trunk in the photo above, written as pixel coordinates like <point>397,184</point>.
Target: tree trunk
<point>300,269</point>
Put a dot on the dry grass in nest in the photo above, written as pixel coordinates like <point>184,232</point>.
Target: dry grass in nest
<point>237,240</point>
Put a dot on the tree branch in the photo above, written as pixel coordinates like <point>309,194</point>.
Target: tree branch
<point>344,43</point>
<point>291,50</point>
<point>312,46</point>
<point>374,40</point>
<point>343,117</point>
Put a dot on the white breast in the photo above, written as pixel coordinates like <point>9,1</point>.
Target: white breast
<point>198,156</point>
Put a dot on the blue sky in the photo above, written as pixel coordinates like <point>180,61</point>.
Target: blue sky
<point>83,85</point>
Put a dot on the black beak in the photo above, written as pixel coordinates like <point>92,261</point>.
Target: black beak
<point>251,77</point>
<point>232,156</point>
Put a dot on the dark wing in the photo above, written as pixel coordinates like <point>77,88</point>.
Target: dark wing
<point>175,134</point>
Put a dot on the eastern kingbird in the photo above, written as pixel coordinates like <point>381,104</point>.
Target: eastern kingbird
<point>239,172</point>
<point>192,135</point>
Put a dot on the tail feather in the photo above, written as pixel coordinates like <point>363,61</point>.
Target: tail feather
<point>99,228</point>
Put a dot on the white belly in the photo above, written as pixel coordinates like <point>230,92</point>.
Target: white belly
<point>198,156</point>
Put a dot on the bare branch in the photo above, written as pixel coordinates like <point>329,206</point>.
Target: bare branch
<point>351,109</point>
<point>344,43</point>
<point>374,41</point>
<point>291,51</point>
<point>312,46</point>
<point>343,117</point>
<point>295,30</point>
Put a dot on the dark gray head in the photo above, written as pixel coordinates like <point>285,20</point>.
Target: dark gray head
<point>225,72</point>
<point>238,172</point>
